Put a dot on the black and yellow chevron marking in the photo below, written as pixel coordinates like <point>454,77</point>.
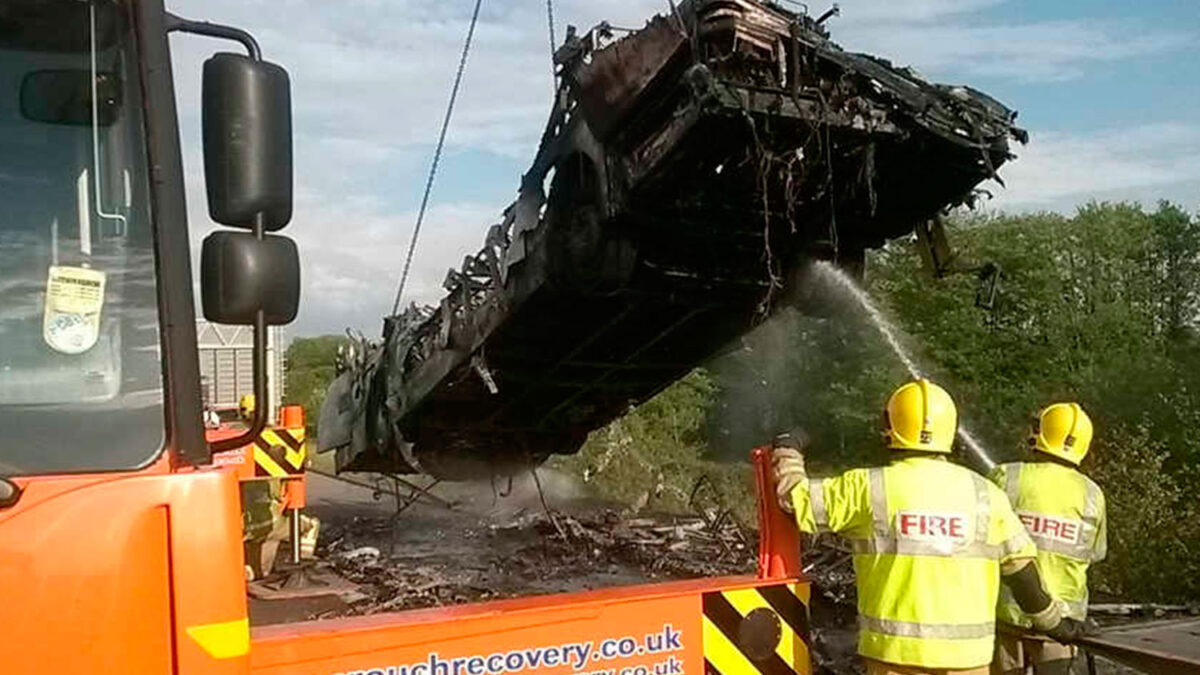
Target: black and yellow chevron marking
<point>757,631</point>
<point>279,452</point>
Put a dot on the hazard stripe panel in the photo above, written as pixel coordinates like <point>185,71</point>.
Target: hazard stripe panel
<point>280,452</point>
<point>265,465</point>
<point>757,630</point>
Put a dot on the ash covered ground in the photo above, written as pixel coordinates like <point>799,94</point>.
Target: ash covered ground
<point>501,543</point>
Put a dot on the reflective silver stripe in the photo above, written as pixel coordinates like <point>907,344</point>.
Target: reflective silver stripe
<point>1090,513</point>
<point>1091,500</point>
<point>1082,551</point>
<point>1012,488</point>
<point>879,505</point>
<point>1089,519</point>
<point>1012,482</point>
<point>886,542</point>
<point>1093,514</point>
<point>945,631</point>
<point>1099,547</point>
<point>1015,543</point>
<point>983,509</point>
<point>1077,609</point>
<point>1087,537</point>
<point>890,545</point>
<point>816,497</point>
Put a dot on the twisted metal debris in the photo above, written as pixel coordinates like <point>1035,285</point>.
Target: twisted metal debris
<point>688,173</point>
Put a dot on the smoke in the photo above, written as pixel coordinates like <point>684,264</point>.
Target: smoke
<point>826,374</point>
<point>828,370</point>
<point>504,500</point>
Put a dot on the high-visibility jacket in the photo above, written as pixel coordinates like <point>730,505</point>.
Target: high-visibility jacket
<point>929,537</point>
<point>1063,510</point>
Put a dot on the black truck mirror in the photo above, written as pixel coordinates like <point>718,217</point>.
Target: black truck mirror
<point>247,122</point>
<point>65,97</point>
<point>241,274</point>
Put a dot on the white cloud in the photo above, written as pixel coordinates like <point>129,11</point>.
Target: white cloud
<point>380,70</point>
<point>1059,171</point>
<point>371,78</point>
<point>352,260</point>
<point>352,250</point>
<point>369,84</point>
<point>905,11</point>
<point>1028,52</point>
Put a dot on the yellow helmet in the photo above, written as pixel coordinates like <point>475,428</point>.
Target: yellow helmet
<point>920,416</point>
<point>246,406</point>
<point>1063,430</point>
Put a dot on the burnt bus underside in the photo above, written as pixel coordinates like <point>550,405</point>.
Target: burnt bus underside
<point>693,169</point>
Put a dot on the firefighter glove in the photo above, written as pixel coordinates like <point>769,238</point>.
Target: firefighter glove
<point>1049,618</point>
<point>796,439</point>
<point>788,467</point>
<point>1070,630</point>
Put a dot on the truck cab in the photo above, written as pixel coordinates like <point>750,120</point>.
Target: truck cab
<point>120,550</point>
<point>120,536</point>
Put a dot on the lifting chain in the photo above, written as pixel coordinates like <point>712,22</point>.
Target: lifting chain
<point>437,157</point>
<point>553,42</point>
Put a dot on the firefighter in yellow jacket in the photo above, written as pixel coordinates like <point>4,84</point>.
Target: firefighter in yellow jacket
<point>931,542</point>
<point>1063,510</point>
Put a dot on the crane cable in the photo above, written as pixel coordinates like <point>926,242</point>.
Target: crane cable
<point>437,157</point>
<point>437,154</point>
<point>553,43</point>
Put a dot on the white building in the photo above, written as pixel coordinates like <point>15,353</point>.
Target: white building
<point>226,364</point>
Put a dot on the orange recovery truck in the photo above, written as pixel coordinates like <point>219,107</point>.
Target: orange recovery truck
<point>120,536</point>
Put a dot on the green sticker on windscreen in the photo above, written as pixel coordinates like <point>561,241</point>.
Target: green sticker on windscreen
<point>74,300</point>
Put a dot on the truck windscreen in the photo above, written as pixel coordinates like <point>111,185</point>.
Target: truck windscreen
<point>80,361</point>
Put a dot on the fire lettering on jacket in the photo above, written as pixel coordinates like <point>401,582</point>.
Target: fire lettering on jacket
<point>933,526</point>
<point>1049,527</point>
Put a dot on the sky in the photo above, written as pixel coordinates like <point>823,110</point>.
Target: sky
<point>1109,91</point>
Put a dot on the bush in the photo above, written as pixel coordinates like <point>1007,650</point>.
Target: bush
<point>310,370</point>
<point>1100,308</point>
<point>1153,534</point>
<point>655,456</point>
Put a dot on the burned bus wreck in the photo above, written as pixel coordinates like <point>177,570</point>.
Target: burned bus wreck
<point>687,173</point>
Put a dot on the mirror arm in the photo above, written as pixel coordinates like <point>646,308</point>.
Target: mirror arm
<point>175,23</point>
<point>260,391</point>
<point>259,362</point>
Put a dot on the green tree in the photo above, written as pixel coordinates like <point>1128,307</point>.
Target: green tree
<point>657,455</point>
<point>1101,308</point>
<point>309,371</point>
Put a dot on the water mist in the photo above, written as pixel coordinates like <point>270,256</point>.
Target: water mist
<point>844,283</point>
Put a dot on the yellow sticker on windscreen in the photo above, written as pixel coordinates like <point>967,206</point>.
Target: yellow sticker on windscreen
<point>74,300</point>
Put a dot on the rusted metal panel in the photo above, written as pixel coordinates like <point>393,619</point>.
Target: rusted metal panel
<point>747,21</point>
<point>610,86</point>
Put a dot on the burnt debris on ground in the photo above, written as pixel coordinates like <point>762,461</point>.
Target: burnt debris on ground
<point>493,546</point>
<point>828,563</point>
<point>437,557</point>
<point>532,554</point>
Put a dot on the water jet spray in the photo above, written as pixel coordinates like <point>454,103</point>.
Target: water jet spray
<point>838,279</point>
